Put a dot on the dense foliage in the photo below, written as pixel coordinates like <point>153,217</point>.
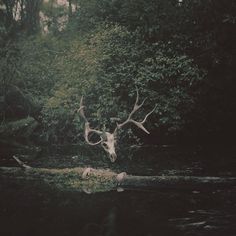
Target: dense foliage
<point>179,54</point>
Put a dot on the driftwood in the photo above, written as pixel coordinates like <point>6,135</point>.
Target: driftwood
<point>98,180</point>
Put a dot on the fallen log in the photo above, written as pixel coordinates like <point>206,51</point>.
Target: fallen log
<point>178,182</point>
<point>76,179</point>
<point>99,180</point>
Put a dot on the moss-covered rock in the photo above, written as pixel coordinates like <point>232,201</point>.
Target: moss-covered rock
<point>21,128</point>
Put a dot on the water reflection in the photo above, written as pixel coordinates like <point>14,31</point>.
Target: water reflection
<point>108,226</point>
<point>36,209</point>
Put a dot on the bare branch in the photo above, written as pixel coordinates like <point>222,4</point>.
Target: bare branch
<point>21,163</point>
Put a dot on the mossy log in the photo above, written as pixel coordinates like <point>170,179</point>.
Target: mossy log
<point>79,179</point>
<point>99,180</point>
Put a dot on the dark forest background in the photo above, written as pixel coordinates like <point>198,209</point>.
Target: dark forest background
<point>180,54</point>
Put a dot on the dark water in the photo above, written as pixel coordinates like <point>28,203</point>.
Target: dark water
<point>30,208</point>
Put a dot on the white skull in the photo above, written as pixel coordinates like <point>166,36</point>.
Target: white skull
<point>108,145</point>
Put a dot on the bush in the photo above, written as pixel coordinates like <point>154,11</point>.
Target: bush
<point>109,66</point>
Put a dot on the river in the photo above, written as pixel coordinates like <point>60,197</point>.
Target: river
<point>32,208</point>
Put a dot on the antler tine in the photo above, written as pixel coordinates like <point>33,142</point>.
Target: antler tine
<point>86,134</point>
<point>140,124</point>
<point>135,108</point>
<point>137,97</point>
<point>81,109</point>
<point>148,114</point>
<point>136,105</point>
<point>87,127</point>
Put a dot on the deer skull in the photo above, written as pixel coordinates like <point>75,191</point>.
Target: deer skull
<point>109,144</point>
<point>108,140</point>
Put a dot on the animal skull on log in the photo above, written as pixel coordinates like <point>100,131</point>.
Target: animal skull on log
<point>108,140</point>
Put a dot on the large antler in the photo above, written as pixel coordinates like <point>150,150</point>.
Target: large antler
<point>107,139</point>
<point>88,130</point>
<point>137,123</point>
